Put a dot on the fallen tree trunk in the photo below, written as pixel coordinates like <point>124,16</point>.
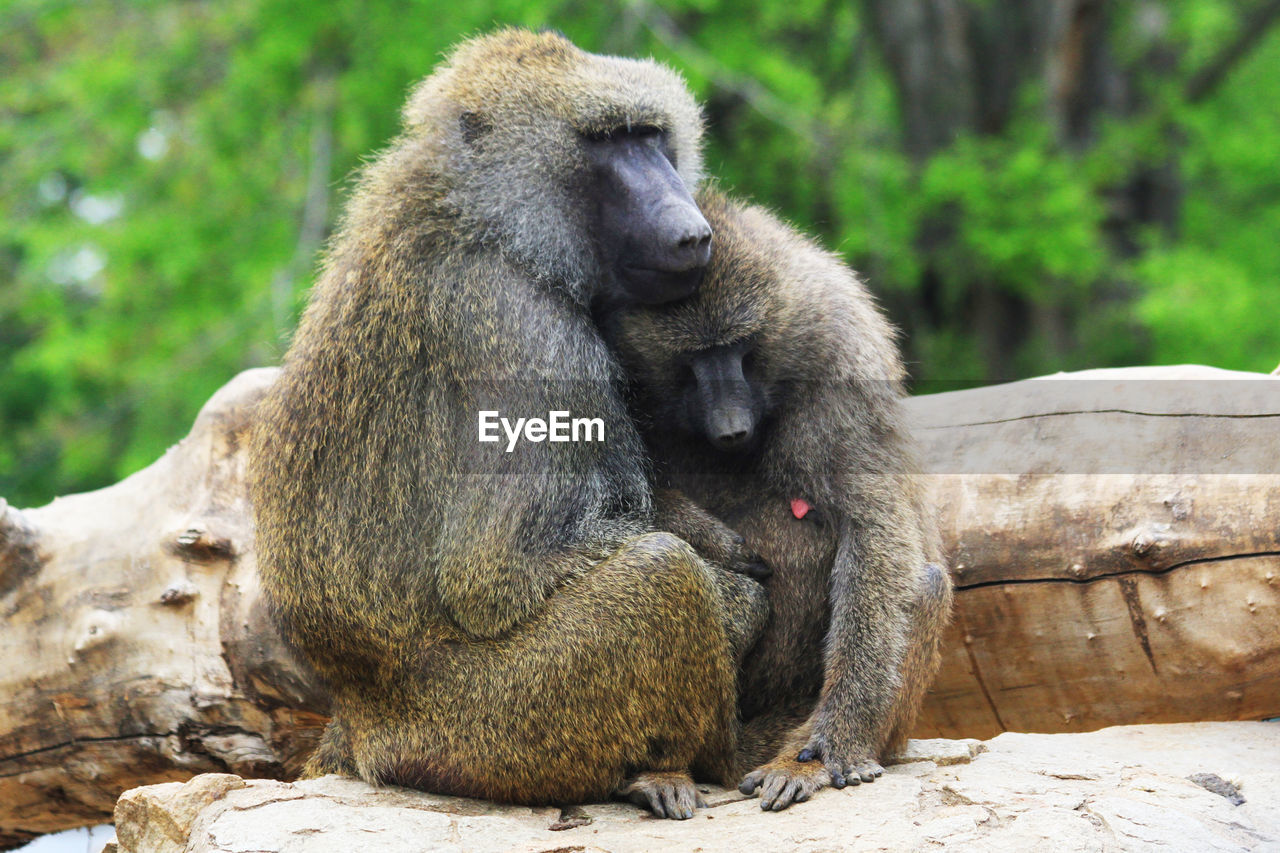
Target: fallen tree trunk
<point>135,643</point>
<point>1114,536</point>
<point>1114,542</point>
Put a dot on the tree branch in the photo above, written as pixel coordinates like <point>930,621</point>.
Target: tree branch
<point>1210,76</point>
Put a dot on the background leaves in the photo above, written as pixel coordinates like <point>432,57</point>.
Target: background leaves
<point>1062,190</point>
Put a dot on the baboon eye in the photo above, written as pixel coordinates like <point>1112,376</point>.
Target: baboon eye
<point>636,131</point>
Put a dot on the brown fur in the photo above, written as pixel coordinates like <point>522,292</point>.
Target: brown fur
<point>489,624</point>
<point>858,602</point>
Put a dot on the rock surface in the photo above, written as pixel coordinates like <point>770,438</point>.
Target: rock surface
<point>1123,788</point>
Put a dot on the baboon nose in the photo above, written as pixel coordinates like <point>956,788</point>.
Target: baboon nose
<point>693,247</point>
<point>730,440</point>
<point>731,430</point>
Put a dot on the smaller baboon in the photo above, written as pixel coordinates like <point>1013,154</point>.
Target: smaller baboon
<point>770,403</point>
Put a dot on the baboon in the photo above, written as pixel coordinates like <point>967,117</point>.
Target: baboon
<point>769,402</point>
<point>496,624</point>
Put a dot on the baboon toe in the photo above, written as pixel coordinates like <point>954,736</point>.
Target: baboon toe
<point>667,795</point>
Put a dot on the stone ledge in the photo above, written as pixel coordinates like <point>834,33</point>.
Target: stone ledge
<point>1123,788</point>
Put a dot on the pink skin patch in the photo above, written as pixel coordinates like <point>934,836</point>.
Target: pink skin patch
<point>800,507</point>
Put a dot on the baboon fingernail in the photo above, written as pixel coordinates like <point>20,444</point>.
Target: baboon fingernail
<point>805,755</point>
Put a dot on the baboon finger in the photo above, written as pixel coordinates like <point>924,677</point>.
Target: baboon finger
<point>751,782</point>
<point>771,790</point>
<point>850,774</point>
<point>671,804</point>
<point>788,795</point>
<point>867,771</point>
<point>655,802</point>
<point>686,800</point>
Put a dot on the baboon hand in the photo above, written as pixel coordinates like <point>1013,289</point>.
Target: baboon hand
<point>671,795</point>
<point>743,560</point>
<point>845,766</point>
<point>784,781</point>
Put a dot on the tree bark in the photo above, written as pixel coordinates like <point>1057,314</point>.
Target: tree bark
<point>136,647</point>
<point>1115,544</point>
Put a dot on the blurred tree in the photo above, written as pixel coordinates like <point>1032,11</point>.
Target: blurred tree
<point>1030,185</point>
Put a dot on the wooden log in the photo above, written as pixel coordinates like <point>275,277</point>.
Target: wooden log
<point>1114,536</point>
<point>1114,543</point>
<point>135,644</point>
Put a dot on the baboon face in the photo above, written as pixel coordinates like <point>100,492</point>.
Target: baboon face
<point>653,242</point>
<point>722,399</point>
<point>579,166</point>
<point>700,367</point>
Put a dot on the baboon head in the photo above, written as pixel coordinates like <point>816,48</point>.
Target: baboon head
<point>777,320</point>
<point>579,166</point>
<point>704,365</point>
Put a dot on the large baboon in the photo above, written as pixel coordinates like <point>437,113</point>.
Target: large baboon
<point>770,403</point>
<point>491,622</point>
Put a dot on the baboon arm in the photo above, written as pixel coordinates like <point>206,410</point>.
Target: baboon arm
<point>487,592</point>
<point>486,584</point>
<point>481,608</point>
<point>676,513</point>
<point>714,540</point>
<point>872,595</point>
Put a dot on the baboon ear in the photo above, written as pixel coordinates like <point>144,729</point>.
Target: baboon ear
<point>473,126</point>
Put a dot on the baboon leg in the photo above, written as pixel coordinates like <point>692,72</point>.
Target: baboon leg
<point>628,668</point>
<point>929,620</point>
<point>786,733</point>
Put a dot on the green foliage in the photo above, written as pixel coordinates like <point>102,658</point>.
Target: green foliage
<point>169,171</point>
<point>1209,293</point>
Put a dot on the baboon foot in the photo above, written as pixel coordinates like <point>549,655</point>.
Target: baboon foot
<point>851,769</point>
<point>784,781</point>
<point>671,795</point>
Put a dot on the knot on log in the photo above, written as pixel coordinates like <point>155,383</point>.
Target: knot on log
<point>1147,542</point>
<point>179,592</point>
<point>198,544</point>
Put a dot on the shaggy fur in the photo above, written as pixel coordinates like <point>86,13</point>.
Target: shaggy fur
<point>491,624</point>
<point>858,601</point>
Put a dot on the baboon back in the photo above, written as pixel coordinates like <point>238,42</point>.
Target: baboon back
<point>492,623</point>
